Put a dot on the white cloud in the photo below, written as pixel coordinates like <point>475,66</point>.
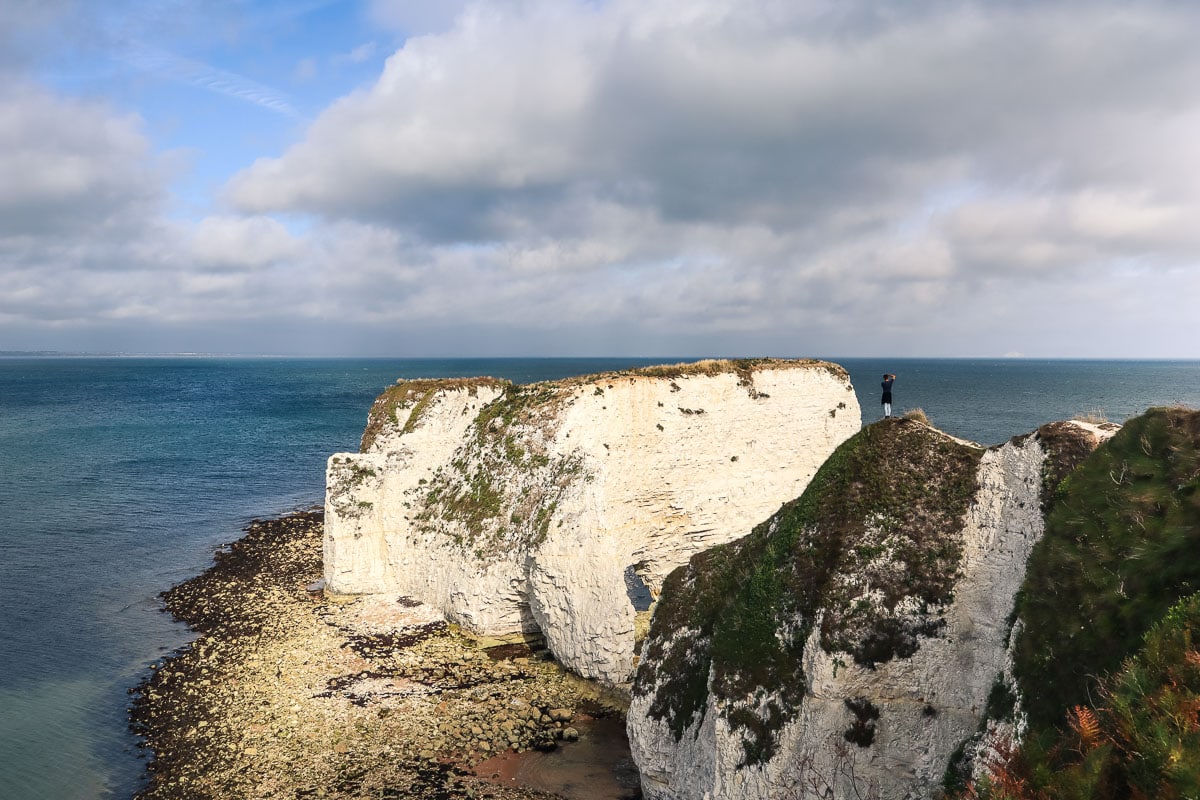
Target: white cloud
<point>537,175</point>
<point>240,243</point>
<point>360,54</point>
<point>416,17</point>
<point>163,63</point>
<point>70,165</point>
<point>724,112</point>
<point>755,164</point>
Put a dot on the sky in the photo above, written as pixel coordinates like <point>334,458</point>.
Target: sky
<point>601,177</point>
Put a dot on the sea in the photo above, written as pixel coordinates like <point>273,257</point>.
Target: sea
<point>120,477</point>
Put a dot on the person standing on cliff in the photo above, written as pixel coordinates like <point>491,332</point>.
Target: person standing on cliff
<point>888,380</point>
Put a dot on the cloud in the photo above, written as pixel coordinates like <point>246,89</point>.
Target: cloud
<point>240,243</point>
<point>205,76</point>
<point>839,158</point>
<point>70,165</point>
<point>725,113</point>
<point>361,53</point>
<point>415,17</point>
<point>84,237</point>
<point>683,176</point>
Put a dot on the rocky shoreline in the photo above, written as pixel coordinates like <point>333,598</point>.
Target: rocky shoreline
<point>289,694</point>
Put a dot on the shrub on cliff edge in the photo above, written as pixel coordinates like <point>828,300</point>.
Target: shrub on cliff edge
<point>1142,740</point>
<point>1122,545</point>
<point>1102,593</point>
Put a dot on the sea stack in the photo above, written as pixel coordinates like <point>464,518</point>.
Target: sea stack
<point>550,508</point>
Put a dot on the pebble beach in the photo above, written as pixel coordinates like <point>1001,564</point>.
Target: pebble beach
<point>286,693</point>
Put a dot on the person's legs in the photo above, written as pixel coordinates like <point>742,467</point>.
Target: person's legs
<point>887,409</point>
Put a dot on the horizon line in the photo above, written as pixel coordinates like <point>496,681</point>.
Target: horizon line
<point>16,354</point>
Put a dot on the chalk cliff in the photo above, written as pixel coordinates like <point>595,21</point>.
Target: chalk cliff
<point>859,637</point>
<point>547,507</point>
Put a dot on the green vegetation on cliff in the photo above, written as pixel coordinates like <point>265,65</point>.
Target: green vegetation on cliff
<point>1141,740</point>
<point>504,483</point>
<point>414,396</point>
<point>1122,545</point>
<point>888,507</point>
<point>744,368</point>
<point>1108,674</point>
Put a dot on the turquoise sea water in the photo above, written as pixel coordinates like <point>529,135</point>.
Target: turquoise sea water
<point>119,477</point>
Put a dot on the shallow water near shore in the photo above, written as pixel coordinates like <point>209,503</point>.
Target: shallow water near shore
<point>121,476</point>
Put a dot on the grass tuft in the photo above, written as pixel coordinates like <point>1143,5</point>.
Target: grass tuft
<point>1094,416</point>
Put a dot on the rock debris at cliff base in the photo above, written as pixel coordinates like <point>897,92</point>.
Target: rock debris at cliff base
<point>286,694</point>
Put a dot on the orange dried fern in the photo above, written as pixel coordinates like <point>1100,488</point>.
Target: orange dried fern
<point>1006,778</point>
<point>1086,725</point>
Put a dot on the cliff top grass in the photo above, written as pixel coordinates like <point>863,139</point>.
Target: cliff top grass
<point>888,504</point>
<point>416,395</point>
<point>743,368</point>
<point>1066,446</point>
<point>1122,545</point>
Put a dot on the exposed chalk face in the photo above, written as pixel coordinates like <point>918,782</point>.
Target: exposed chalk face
<point>847,716</point>
<point>531,508</point>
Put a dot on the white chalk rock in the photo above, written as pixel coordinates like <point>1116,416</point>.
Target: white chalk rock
<point>531,508</point>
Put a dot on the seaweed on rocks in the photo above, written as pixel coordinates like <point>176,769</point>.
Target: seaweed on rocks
<point>383,644</point>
